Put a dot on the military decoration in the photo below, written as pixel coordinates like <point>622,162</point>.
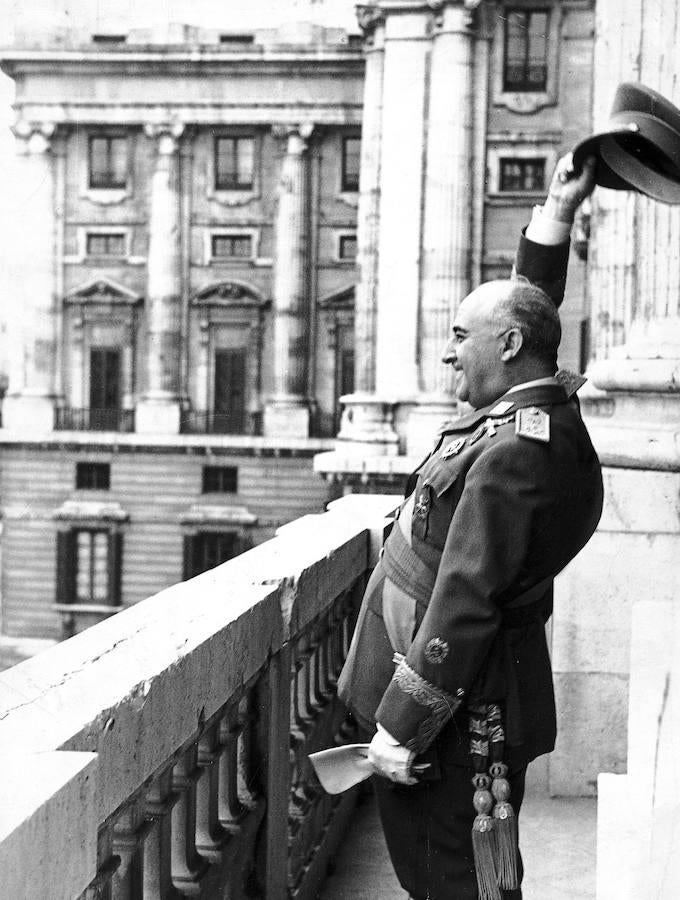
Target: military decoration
<point>422,505</point>
<point>453,448</point>
<point>436,651</point>
<point>533,423</point>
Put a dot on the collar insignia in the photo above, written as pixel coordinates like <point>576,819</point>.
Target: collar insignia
<point>453,448</point>
<point>501,408</point>
<point>533,423</point>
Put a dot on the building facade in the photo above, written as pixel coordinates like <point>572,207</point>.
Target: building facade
<point>186,268</point>
<point>185,271</point>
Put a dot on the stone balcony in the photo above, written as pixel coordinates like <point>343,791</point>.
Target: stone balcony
<point>163,752</point>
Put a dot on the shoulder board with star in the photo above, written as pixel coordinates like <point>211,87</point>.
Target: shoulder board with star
<point>533,423</point>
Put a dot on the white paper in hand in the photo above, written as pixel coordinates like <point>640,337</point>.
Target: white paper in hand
<point>340,768</point>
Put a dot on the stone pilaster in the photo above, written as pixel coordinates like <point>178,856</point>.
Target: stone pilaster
<point>32,345</point>
<point>448,205</point>
<point>158,408</point>
<point>373,26</point>
<point>287,411</point>
<point>406,51</point>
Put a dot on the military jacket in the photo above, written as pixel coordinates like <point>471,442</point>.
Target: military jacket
<point>506,499</point>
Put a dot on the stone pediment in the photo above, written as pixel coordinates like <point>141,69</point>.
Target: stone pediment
<point>229,293</point>
<point>339,299</point>
<point>102,290</point>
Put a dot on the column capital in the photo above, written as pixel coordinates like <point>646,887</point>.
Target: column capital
<point>33,137</point>
<point>296,136</point>
<point>167,134</point>
<point>453,15</point>
<point>369,17</point>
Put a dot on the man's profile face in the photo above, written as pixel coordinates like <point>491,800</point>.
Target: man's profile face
<point>475,349</point>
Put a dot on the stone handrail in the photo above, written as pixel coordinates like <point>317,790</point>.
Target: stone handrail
<point>163,752</point>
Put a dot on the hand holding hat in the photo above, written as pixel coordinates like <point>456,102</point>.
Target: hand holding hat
<point>640,148</point>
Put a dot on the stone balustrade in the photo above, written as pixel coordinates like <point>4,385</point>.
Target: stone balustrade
<point>163,752</point>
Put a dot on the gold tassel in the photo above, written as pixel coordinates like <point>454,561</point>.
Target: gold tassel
<point>483,840</point>
<point>506,843</point>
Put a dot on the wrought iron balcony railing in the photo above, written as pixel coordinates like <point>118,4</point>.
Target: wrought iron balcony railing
<point>69,418</point>
<point>166,748</point>
<point>208,422</point>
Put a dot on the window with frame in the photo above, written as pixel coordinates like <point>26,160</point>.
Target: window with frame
<point>351,163</point>
<point>525,58</point>
<point>108,161</point>
<point>207,549</point>
<point>234,163</point>
<point>89,566</point>
<point>220,480</point>
<point>231,246</point>
<point>517,175</point>
<point>110,244</point>
<point>347,247</point>
<point>93,476</point>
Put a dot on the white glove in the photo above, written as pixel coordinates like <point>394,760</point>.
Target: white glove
<point>390,759</point>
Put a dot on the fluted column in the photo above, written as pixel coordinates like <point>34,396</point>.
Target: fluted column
<point>287,411</point>
<point>158,409</point>
<point>372,23</point>
<point>31,291</point>
<point>448,209</point>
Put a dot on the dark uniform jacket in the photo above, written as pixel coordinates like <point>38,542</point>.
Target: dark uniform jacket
<point>507,498</point>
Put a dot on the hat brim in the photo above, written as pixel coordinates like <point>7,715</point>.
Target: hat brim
<point>628,161</point>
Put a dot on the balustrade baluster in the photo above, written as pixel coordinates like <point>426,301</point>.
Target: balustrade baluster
<point>231,810</point>
<point>157,873</point>
<point>210,836</point>
<point>188,867</point>
<point>130,832</point>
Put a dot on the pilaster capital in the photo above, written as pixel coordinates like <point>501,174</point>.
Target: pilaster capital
<point>296,137</point>
<point>33,137</point>
<point>166,134</point>
<point>453,15</point>
<point>369,17</point>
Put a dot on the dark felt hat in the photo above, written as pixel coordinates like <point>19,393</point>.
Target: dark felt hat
<point>640,148</point>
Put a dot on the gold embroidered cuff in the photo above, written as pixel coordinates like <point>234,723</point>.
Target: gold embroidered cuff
<point>440,704</point>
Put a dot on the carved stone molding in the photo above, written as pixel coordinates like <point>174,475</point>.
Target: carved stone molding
<point>230,293</point>
<point>102,290</point>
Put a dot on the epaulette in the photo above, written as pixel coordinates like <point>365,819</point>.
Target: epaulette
<point>533,423</point>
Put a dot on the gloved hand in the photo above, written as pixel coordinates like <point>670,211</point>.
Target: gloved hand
<point>390,759</point>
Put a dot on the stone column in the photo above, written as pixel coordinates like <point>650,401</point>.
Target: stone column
<point>448,205</point>
<point>401,199</point>
<point>158,409</point>
<point>366,425</point>
<point>287,411</point>
<point>371,21</point>
<point>32,345</point>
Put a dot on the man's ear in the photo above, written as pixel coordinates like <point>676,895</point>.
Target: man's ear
<point>512,344</point>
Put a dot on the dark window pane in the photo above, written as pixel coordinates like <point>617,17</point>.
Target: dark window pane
<point>93,476</point>
<point>220,479</point>
<point>104,378</point>
<point>525,65</point>
<point>348,246</point>
<point>108,162</point>
<point>234,163</point>
<point>105,244</point>
<point>230,390</point>
<point>521,175</point>
<point>92,566</point>
<point>351,158</point>
<point>211,548</point>
<point>230,246</point>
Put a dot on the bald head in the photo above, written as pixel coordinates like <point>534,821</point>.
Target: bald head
<point>505,333</point>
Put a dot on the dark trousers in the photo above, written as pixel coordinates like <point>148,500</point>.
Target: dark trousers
<point>428,831</point>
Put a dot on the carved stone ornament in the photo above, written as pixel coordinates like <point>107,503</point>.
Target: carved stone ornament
<point>232,293</point>
<point>103,290</point>
<point>369,16</point>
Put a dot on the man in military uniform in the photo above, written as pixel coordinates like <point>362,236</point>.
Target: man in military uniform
<point>449,659</point>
